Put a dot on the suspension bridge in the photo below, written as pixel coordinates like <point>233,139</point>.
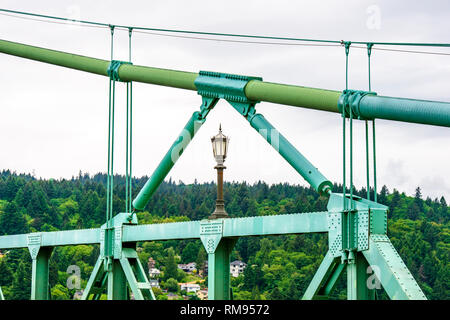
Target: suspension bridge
<point>356,227</point>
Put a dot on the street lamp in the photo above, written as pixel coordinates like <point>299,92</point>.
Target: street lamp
<point>220,147</point>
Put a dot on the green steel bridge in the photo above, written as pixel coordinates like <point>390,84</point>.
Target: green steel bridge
<point>356,227</point>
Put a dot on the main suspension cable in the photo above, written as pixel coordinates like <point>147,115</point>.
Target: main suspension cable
<point>27,15</point>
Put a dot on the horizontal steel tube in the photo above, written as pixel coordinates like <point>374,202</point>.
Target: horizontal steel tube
<point>318,99</point>
<point>59,58</point>
<point>409,110</point>
<point>290,153</point>
<point>311,98</point>
<point>168,161</point>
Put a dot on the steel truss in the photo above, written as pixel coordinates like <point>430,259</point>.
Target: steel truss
<point>372,251</point>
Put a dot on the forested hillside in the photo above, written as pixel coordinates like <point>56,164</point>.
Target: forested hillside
<point>278,267</point>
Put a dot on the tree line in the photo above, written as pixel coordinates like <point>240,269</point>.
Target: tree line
<point>278,267</point>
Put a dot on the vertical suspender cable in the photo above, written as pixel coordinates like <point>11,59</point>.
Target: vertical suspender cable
<point>112,151</point>
<point>367,160</point>
<point>344,138</point>
<point>369,52</point>
<point>128,174</point>
<point>110,182</point>
<point>374,163</point>
<point>131,131</point>
<point>109,135</point>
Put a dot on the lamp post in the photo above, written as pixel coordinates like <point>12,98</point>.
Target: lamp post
<point>220,147</point>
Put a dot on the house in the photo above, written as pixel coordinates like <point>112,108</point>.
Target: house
<point>189,287</point>
<point>237,267</point>
<point>77,295</point>
<point>172,296</point>
<point>189,267</point>
<point>153,272</point>
<point>151,263</point>
<point>154,283</point>
<point>202,294</point>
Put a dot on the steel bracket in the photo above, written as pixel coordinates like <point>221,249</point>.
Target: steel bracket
<point>111,237</point>
<point>349,230</point>
<point>231,87</point>
<point>350,100</point>
<point>113,69</point>
<point>211,232</point>
<point>34,241</point>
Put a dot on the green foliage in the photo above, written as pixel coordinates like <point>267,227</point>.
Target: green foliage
<point>21,285</point>
<point>171,285</point>
<point>201,258</point>
<point>171,268</point>
<point>6,273</point>
<point>277,267</point>
<point>190,252</point>
<point>59,292</point>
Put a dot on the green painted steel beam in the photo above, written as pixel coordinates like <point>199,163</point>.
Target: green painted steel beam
<point>219,270</point>
<point>320,279</point>
<point>333,278</point>
<point>40,287</point>
<point>357,276</point>
<point>406,110</point>
<point>302,165</point>
<point>52,239</point>
<point>161,231</point>
<point>13,241</point>
<point>276,225</point>
<point>63,238</point>
<point>395,277</point>
<point>233,227</point>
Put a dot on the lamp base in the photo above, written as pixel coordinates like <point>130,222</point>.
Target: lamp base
<point>220,212</point>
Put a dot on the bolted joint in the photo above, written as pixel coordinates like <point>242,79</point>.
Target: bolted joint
<point>369,48</point>
<point>346,45</point>
<point>350,101</point>
<point>231,87</point>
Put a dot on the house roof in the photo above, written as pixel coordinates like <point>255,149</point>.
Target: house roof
<point>238,262</point>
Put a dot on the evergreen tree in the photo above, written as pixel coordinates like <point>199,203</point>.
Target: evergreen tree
<point>201,258</point>
<point>189,253</point>
<point>6,275</point>
<point>382,197</point>
<point>21,286</point>
<point>255,294</point>
<point>12,220</point>
<point>418,199</point>
<point>171,270</point>
<point>413,211</point>
<point>275,294</point>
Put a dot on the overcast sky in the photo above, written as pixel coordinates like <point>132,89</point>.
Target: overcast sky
<point>53,120</point>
